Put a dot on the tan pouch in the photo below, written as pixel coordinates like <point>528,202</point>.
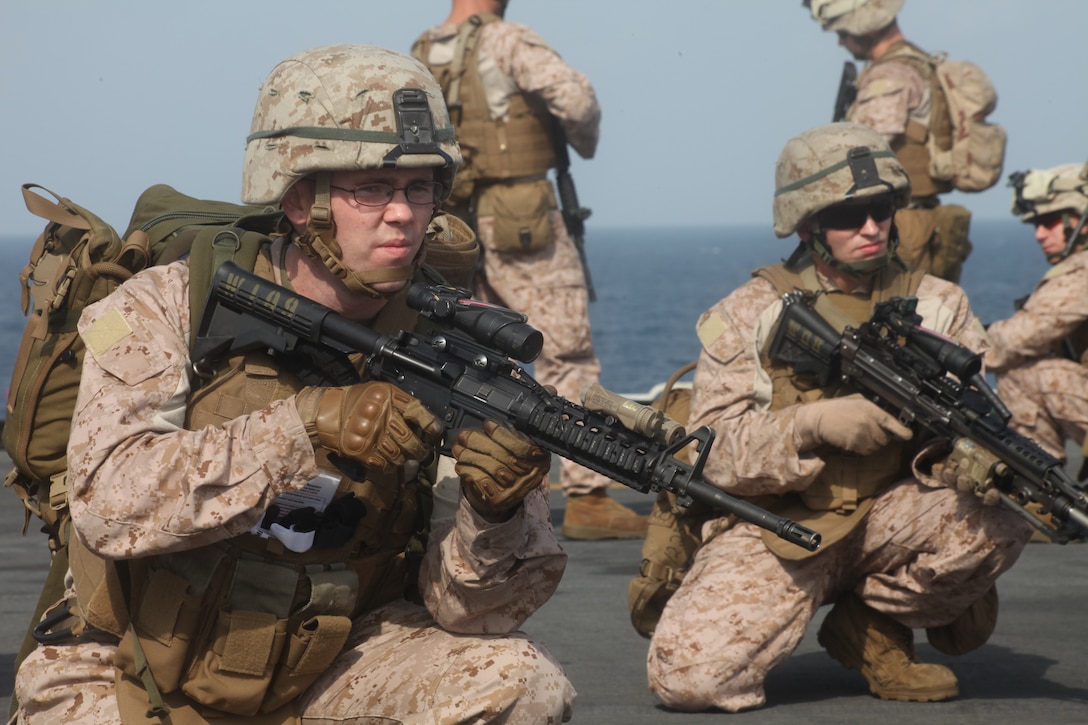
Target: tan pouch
<point>847,479</point>
<point>233,674</point>
<point>916,231</point>
<point>953,246</point>
<point>311,648</point>
<point>233,666</point>
<point>522,215</point>
<point>167,624</point>
<point>672,537</point>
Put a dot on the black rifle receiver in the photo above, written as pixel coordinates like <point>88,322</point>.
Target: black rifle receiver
<point>848,91</point>
<point>934,384</point>
<point>574,214</point>
<point>465,375</point>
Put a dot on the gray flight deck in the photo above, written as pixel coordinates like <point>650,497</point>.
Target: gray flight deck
<point>1033,671</point>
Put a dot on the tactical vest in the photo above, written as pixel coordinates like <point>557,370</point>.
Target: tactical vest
<point>519,146</point>
<point>847,480</point>
<point>910,148</point>
<point>244,626</point>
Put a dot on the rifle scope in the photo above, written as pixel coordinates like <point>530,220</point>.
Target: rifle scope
<point>489,325</point>
<point>901,314</point>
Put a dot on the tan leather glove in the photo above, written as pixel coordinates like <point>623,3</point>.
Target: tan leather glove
<point>498,467</point>
<point>374,423</point>
<point>851,423</point>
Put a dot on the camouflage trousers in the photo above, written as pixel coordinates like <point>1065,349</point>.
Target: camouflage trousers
<point>549,286</point>
<point>922,555</point>
<point>397,667</point>
<point>1048,399</point>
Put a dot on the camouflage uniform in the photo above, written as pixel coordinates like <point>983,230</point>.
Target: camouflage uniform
<point>922,554</point>
<point>895,100</point>
<point>1045,390</point>
<point>548,284</point>
<point>140,485</point>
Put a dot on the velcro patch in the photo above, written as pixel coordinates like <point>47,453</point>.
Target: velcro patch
<point>880,87</point>
<point>711,329</point>
<point>106,331</point>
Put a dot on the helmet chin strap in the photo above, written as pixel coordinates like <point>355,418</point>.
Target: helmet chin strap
<point>319,242</point>
<point>1074,235</point>
<point>855,269</point>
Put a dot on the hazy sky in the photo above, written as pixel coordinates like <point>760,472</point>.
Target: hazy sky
<point>105,98</point>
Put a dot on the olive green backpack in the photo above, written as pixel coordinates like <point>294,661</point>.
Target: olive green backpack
<point>78,259</point>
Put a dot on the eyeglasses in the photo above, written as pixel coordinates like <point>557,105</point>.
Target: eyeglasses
<point>853,215</point>
<point>379,193</point>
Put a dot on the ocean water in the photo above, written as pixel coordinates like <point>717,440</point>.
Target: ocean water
<point>653,283</point>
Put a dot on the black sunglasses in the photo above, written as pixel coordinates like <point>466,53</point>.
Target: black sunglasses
<point>852,215</point>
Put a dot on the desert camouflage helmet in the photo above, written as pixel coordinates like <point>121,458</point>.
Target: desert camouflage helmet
<point>346,107</point>
<point>833,163</point>
<point>856,17</point>
<point>1043,191</point>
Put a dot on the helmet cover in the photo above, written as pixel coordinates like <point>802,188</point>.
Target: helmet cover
<point>346,107</point>
<point>855,17</point>
<point>1038,192</point>
<point>830,164</point>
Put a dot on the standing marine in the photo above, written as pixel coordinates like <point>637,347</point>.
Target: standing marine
<point>515,103</point>
<point>898,95</point>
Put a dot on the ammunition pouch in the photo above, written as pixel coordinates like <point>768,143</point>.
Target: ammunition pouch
<point>520,214</point>
<point>917,231</point>
<point>952,246</point>
<point>673,535</point>
<point>847,479</point>
<point>275,627</point>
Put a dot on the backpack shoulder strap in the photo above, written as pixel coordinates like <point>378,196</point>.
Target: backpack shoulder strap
<point>210,248</point>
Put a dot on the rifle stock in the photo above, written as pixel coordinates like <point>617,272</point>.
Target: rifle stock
<point>464,373</point>
<point>911,379</point>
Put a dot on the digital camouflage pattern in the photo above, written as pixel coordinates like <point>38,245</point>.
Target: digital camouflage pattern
<point>548,284</point>
<point>922,554</point>
<point>891,95</point>
<point>515,59</point>
<point>812,173</point>
<point>1048,190</point>
<point>856,17</point>
<point>396,667</point>
<point>1045,390</point>
<point>178,489</point>
<point>331,109</point>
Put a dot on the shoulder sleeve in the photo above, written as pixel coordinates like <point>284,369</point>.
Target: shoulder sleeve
<point>754,452</point>
<point>538,71</point>
<point>1056,308</point>
<point>139,483</point>
<point>888,93</point>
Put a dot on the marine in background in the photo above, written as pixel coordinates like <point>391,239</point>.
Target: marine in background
<point>901,549</point>
<point>1039,355</point>
<point>513,99</point>
<point>897,96</point>
<point>258,548</point>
